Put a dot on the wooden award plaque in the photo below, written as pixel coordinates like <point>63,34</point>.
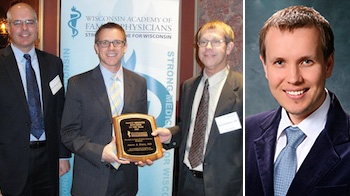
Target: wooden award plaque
<point>133,137</point>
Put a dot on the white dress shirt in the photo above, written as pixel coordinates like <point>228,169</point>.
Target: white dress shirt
<point>312,126</point>
<point>216,83</point>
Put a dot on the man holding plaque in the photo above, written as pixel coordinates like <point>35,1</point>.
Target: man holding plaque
<point>210,154</point>
<point>92,99</point>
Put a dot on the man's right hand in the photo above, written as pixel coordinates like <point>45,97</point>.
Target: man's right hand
<point>109,154</point>
<point>164,134</point>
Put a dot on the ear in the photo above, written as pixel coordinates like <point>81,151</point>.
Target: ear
<point>96,48</point>
<point>125,48</point>
<point>8,28</point>
<point>329,65</point>
<point>264,66</point>
<point>229,48</point>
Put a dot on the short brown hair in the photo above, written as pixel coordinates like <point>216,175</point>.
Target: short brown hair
<point>217,24</point>
<point>294,17</point>
<point>110,25</point>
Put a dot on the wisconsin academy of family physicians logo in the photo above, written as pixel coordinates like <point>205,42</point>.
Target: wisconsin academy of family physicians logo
<point>72,23</point>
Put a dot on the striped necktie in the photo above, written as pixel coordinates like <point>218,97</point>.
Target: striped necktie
<point>115,99</point>
<point>115,102</point>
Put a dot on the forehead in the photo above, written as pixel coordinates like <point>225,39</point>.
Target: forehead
<point>21,12</point>
<point>301,38</point>
<point>111,34</point>
<point>212,33</point>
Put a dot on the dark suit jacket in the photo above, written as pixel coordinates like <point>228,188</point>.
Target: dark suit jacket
<point>325,170</point>
<point>87,125</point>
<point>223,160</point>
<point>15,120</point>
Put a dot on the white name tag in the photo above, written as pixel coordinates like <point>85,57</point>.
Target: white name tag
<point>55,85</point>
<point>228,122</point>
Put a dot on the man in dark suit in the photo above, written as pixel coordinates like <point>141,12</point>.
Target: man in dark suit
<point>29,165</point>
<point>219,170</point>
<point>87,118</point>
<point>297,53</point>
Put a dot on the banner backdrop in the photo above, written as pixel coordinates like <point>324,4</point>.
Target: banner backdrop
<point>152,28</point>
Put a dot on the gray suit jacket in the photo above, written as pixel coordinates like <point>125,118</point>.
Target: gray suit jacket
<point>15,120</point>
<point>87,125</point>
<point>223,160</point>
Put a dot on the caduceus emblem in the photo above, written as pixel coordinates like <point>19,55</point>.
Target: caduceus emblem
<point>72,23</point>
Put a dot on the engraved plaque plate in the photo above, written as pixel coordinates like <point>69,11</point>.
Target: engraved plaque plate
<point>133,137</point>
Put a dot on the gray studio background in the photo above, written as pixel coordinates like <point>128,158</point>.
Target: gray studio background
<point>257,94</point>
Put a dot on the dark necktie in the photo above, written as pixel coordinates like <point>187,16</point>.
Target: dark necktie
<point>196,151</point>
<point>36,116</point>
<point>286,163</point>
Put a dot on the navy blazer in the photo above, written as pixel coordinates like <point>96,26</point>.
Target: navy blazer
<point>326,168</point>
<point>15,120</point>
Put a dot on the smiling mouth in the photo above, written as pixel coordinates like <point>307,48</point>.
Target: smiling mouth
<point>295,93</point>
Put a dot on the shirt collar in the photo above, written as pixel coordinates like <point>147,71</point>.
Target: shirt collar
<point>216,78</point>
<point>311,125</point>
<point>108,74</point>
<point>19,54</point>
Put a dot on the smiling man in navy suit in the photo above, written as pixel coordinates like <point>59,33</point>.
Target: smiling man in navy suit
<point>297,53</point>
<point>29,163</point>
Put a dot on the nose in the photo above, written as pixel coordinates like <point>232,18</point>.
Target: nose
<point>111,45</point>
<point>294,75</point>
<point>209,45</point>
<point>24,26</point>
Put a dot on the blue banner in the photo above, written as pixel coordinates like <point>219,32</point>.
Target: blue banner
<point>152,28</point>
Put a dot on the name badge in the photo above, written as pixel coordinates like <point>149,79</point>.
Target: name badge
<point>228,122</point>
<point>55,85</point>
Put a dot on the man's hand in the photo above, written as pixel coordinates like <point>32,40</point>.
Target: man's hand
<point>64,167</point>
<point>142,164</point>
<point>109,153</point>
<point>163,133</point>
<point>164,136</point>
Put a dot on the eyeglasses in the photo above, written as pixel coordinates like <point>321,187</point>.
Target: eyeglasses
<point>19,23</point>
<point>116,43</point>
<point>214,43</point>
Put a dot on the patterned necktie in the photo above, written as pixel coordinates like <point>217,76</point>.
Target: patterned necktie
<point>286,164</point>
<point>115,99</point>
<point>196,151</point>
<point>36,115</point>
<point>115,102</point>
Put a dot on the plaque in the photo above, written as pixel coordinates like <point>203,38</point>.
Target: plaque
<point>133,137</point>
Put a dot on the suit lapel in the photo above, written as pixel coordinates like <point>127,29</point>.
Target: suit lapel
<point>189,94</point>
<point>99,87</point>
<point>11,66</point>
<point>264,147</point>
<point>225,105</point>
<point>44,68</point>
<point>129,84</point>
<point>314,167</point>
